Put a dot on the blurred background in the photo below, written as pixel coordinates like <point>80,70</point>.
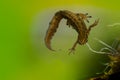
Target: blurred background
<point>23,25</point>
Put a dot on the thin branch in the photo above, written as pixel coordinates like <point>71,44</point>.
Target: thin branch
<point>98,52</point>
<point>106,45</point>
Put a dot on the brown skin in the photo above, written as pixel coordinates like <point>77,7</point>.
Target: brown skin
<point>74,20</point>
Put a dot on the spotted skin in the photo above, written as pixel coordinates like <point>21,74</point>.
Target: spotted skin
<point>76,21</point>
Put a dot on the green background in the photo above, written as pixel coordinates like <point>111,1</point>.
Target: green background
<point>23,25</point>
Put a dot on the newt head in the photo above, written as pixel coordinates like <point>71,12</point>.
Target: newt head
<point>82,39</point>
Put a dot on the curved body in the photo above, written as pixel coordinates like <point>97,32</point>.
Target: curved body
<point>73,19</point>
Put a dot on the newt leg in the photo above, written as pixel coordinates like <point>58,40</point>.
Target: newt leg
<point>94,24</point>
<point>73,48</point>
<point>84,16</point>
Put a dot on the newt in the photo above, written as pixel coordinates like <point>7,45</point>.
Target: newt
<point>76,20</point>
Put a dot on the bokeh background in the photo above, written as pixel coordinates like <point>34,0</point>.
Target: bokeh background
<point>23,25</point>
